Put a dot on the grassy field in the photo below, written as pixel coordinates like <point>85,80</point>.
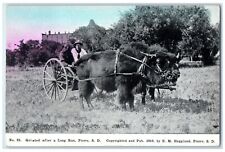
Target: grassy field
<point>194,107</point>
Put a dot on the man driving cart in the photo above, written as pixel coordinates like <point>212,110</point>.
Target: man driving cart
<point>70,54</point>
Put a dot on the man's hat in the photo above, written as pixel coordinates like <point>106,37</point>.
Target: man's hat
<point>78,42</point>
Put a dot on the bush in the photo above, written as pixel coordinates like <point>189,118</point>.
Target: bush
<point>10,58</point>
<point>38,57</point>
<point>190,64</point>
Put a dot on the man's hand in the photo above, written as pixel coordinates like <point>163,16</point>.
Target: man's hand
<point>73,64</point>
<point>64,64</point>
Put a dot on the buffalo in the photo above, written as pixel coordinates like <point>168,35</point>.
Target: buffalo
<point>169,64</point>
<point>123,71</point>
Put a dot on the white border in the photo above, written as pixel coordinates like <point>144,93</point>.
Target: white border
<point>2,67</point>
<point>158,140</point>
<point>114,1</point>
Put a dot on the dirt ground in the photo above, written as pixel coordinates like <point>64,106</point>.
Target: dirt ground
<point>194,107</point>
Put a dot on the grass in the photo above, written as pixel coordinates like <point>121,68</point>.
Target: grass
<point>194,107</point>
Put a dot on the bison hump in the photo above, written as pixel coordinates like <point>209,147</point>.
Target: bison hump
<point>82,59</point>
<point>85,58</point>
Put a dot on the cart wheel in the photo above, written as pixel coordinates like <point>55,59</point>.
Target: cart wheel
<point>55,81</point>
<point>70,76</point>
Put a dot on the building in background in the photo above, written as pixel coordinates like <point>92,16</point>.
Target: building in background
<point>57,37</point>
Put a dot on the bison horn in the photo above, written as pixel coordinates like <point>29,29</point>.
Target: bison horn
<point>178,55</point>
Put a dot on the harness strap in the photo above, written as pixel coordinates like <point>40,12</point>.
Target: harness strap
<point>148,55</point>
<point>141,69</point>
<point>163,86</point>
<point>109,75</point>
<point>116,61</point>
<point>157,65</point>
<point>128,56</point>
<point>144,63</point>
<point>138,73</point>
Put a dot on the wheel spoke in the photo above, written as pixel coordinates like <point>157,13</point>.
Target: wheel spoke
<point>51,79</point>
<point>53,91</point>
<point>48,74</point>
<point>53,68</point>
<point>52,63</point>
<point>62,82</point>
<point>57,89</point>
<point>50,89</point>
<point>64,75</point>
<point>61,76</point>
<point>60,86</point>
<point>49,69</point>
<point>47,85</point>
<point>70,76</point>
<point>59,73</point>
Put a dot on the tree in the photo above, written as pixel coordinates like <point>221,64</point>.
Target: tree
<point>110,41</point>
<point>91,36</point>
<point>184,29</point>
<point>150,24</point>
<point>34,53</point>
<point>199,38</point>
<point>37,57</point>
<point>21,53</point>
<point>53,48</point>
<point>33,44</point>
<point>10,58</point>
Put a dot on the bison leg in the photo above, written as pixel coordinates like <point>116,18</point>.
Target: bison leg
<point>124,95</point>
<point>152,93</point>
<point>131,102</point>
<point>85,90</point>
<point>81,101</point>
<point>120,100</point>
<point>143,94</point>
<point>88,99</point>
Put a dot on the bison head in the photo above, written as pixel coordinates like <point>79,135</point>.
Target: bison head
<point>163,68</point>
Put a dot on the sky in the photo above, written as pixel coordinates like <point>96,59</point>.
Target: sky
<point>30,21</point>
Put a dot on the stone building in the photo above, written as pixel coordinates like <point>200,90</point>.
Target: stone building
<point>57,37</point>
